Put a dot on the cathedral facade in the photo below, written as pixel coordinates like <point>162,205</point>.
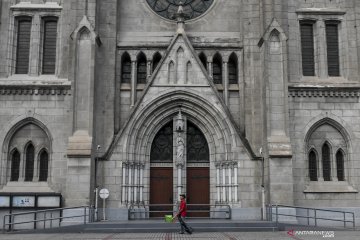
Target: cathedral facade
<point>233,102</point>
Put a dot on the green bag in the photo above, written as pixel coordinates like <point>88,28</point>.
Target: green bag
<point>168,218</point>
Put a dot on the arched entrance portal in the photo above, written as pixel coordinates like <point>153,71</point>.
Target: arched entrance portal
<point>179,160</point>
<point>161,171</point>
<point>197,172</point>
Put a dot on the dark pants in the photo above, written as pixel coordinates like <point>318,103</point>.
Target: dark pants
<point>183,225</point>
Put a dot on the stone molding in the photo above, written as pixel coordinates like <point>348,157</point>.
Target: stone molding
<point>35,90</point>
<point>346,92</point>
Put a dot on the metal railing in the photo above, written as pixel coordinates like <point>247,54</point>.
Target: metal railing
<point>311,213</point>
<point>216,211</point>
<point>46,216</point>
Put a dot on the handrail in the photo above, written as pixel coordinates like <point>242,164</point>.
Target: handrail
<point>147,211</point>
<point>308,216</point>
<point>11,217</point>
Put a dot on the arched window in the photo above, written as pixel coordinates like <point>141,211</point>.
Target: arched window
<point>43,166</point>
<point>29,162</point>
<point>15,166</point>
<point>233,69</point>
<point>156,60</point>
<point>217,69</point>
<point>340,165</point>
<point>162,145</point>
<point>313,166</point>
<point>203,60</point>
<point>196,145</point>
<point>326,162</point>
<point>125,68</point>
<point>141,68</point>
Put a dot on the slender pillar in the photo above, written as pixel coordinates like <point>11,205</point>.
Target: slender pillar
<point>133,82</point>
<point>218,183</point>
<point>226,82</point>
<point>123,199</point>
<point>136,166</point>
<point>224,183</point>
<point>148,69</point>
<point>141,182</point>
<point>130,184</point>
<point>179,185</point>
<point>230,186</point>
<point>210,70</point>
<point>236,183</point>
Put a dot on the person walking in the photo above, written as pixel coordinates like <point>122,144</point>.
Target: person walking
<point>181,214</point>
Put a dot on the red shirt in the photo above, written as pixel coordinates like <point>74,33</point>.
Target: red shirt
<point>182,208</point>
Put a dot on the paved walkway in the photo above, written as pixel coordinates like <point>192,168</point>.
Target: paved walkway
<point>341,235</point>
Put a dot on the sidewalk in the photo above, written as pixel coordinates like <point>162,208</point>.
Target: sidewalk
<point>341,235</point>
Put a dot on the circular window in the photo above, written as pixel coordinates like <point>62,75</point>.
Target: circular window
<point>168,8</point>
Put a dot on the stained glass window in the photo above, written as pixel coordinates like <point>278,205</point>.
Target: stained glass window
<point>312,166</point>
<point>162,145</point>
<point>29,164</point>
<point>169,8</point>
<point>196,145</point>
<point>15,166</point>
<point>326,162</point>
<point>43,166</point>
<point>340,165</point>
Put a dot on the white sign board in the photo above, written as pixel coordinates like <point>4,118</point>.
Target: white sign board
<point>4,201</point>
<point>104,193</point>
<point>48,201</point>
<point>23,201</point>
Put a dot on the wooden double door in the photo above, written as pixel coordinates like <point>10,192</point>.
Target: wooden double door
<point>197,191</point>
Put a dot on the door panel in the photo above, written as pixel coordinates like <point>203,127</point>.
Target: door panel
<point>198,191</point>
<point>161,190</point>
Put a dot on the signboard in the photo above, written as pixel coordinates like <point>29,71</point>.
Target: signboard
<point>23,201</point>
<point>48,201</point>
<point>4,201</point>
<point>104,193</point>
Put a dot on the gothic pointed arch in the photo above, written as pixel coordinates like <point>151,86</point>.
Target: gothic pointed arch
<point>28,137</point>
<point>141,68</point>
<point>233,69</point>
<point>217,69</point>
<point>15,165</point>
<point>313,165</point>
<point>125,68</point>
<point>203,60</point>
<point>29,162</point>
<point>156,60</point>
<point>43,165</point>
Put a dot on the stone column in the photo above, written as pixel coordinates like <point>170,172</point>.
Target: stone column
<point>133,81</point>
<point>210,70</point>
<point>226,82</point>
<point>218,190</point>
<point>229,177</point>
<point>236,182</point>
<point>321,56</point>
<point>141,183</point>
<point>223,183</point>
<point>148,68</point>
<point>123,192</point>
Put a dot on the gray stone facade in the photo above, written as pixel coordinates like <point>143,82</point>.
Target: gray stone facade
<point>99,129</point>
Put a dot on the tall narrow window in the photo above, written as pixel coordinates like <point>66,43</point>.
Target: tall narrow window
<point>203,60</point>
<point>15,166</point>
<point>340,165</point>
<point>217,69</point>
<point>332,43</point>
<point>196,144</point>
<point>312,166</point>
<point>141,68</point>
<point>156,60</point>
<point>29,163</point>
<point>307,48</point>
<point>49,45</point>
<point>162,145</point>
<point>233,69</point>
<point>326,162</point>
<point>125,68</point>
<point>23,45</point>
<point>43,166</point>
